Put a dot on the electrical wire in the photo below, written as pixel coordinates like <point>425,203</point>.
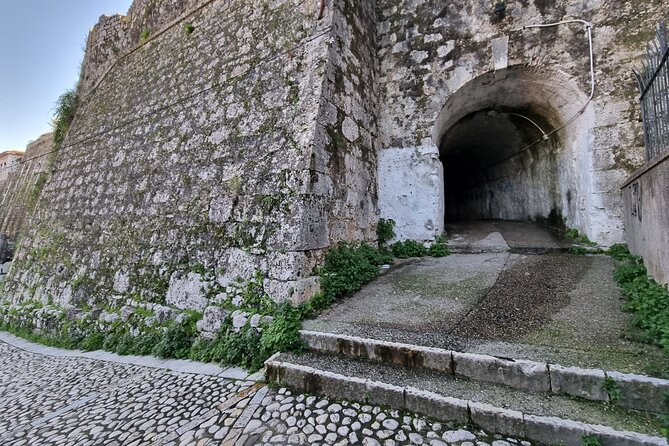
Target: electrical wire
<point>545,136</point>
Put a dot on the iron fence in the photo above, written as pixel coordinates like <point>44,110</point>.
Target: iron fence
<point>653,80</point>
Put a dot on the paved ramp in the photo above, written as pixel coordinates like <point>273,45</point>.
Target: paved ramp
<point>559,308</point>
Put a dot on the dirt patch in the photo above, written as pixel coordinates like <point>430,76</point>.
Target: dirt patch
<point>525,297</point>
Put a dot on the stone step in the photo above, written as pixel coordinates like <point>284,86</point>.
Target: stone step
<point>611,387</point>
<point>541,417</point>
<point>459,248</point>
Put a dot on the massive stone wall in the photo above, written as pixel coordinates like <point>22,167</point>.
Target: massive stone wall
<point>242,139</point>
<point>347,130</point>
<point>23,188</point>
<point>430,51</point>
<point>198,159</point>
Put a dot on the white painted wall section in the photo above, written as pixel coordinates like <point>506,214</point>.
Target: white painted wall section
<point>411,191</point>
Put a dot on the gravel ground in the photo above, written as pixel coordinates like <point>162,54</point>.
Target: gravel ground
<point>525,297</point>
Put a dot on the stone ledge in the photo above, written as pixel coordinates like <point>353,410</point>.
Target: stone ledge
<point>641,392</point>
<point>548,430</point>
<point>637,391</point>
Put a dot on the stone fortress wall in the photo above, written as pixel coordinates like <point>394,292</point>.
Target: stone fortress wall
<point>197,159</point>
<point>275,129</point>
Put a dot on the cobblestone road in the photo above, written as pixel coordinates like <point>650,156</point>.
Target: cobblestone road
<point>70,400</point>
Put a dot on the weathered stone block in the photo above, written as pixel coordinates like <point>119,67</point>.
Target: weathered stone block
<point>212,319</point>
<point>384,394</point>
<point>438,406</point>
<point>187,292</point>
<point>520,373</point>
<point>335,385</point>
<point>438,359</point>
<point>549,430</point>
<point>322,342</point>
<point>295,291</point>
<point>641,392</point>
<point>495,419</point>
<point>611,437</point>
<point>574,381</point>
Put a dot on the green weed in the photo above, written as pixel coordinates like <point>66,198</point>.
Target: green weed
<point>610,386</point>
<point>66,108</point>
<point>348,267</point>
<point>439,247</point>
<point>646,299</point>
<point>385,230</point>
<point>579,238</point>
<point>591,440</point>
<point>146,33</point>
<point>408,248</point>
<point>188,28</point>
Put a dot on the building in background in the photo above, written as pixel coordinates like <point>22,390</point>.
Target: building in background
<point>8,161</point>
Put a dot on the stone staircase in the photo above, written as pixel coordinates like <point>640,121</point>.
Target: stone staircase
<point>539,401</point>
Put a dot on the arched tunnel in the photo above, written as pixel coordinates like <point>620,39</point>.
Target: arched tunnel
<point>506,151</point>
<point>499,165</point>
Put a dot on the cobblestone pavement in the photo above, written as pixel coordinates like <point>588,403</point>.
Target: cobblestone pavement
<point>47,400</point>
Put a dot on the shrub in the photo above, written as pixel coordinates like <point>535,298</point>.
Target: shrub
<point>66,108</point>
<point>385,230</point>
<point>577,237</point>
<point>283,334</point>
<point>440,247</point>
<point>591,440</point>
<point>408,248</point>
<point>645,298</point>
<point>146,33</point>
<point>93,341</point>
<point>347,268</point>
<point>619,251</point>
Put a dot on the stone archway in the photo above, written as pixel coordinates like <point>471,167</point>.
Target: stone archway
<point>515,147</point>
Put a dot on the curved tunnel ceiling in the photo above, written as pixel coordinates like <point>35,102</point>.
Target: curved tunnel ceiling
<point>488,137</point>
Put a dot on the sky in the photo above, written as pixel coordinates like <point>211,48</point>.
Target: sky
<point>41,47</point>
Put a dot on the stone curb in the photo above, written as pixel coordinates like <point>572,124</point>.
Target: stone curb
<point>636,391</point>
<point>174,365</point>
<point>547,430</point>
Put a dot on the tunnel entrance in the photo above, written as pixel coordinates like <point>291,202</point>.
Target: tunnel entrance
<point>507,151</point>
<point>499,165</point>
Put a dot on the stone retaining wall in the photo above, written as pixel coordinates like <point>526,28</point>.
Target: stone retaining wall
<point>646,199</point>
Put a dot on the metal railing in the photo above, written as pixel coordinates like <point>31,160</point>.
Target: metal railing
<point>653,80</point>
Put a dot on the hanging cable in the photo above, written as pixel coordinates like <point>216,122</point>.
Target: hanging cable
<point>545,136</point>
<point>588,27</point>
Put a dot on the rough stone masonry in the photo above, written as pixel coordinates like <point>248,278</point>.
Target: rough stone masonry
<point>219,141</point>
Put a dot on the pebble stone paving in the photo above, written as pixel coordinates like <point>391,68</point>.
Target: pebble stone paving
<point>46,400</point>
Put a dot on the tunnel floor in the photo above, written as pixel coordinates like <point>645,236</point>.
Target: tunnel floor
<point>502,235</point>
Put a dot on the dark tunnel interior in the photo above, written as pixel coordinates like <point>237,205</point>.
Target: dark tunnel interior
<point>498,166</point>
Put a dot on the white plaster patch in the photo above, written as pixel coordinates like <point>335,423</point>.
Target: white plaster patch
<point>411,191</point>
<point>500,52</point>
